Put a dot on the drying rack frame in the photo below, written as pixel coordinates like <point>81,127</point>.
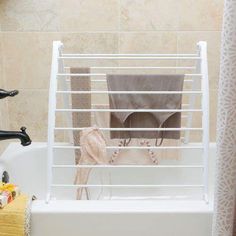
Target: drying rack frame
<point>58,70</point>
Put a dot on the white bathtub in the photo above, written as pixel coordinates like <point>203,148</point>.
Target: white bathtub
<point>166,217</point>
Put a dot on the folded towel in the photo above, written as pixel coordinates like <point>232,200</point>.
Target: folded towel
<point>145,101</point>
<point>80,101</point>
<point>15,217</point>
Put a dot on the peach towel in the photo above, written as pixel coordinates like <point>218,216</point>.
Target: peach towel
<point>80,101</point>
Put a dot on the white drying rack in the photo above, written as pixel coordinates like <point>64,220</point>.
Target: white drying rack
<point>58,71</point>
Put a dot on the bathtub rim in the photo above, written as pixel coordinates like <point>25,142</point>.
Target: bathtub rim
<point>124,206</point>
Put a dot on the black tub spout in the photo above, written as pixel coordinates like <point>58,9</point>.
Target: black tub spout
<point>21,135</point>
<point>4,93</point>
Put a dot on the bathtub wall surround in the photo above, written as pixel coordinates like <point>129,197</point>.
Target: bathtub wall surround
<point>225,194</point>
<point>27,29</point>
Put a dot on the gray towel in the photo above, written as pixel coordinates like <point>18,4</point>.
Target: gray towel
<point>145,101</point>
<point>80,101</point>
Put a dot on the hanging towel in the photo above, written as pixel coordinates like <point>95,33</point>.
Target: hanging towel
<point>80,101</point>
<point>145,101</point>
<point>93,151</point>
<point>15,217</point>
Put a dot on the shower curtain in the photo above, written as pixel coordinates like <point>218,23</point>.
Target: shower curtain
<point>224,220</point>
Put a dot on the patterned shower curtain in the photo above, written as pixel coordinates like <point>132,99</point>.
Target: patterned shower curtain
<point>224,220</point>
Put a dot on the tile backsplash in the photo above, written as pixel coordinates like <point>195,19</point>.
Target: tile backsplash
<point>28,28</point>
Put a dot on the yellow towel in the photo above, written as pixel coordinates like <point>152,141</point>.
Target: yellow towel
<point>14,217</point>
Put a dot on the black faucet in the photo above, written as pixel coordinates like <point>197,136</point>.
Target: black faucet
<point>22,135</point>
<point>4,93</point>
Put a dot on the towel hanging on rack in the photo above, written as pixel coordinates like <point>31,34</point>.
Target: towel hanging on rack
<point>80,101</point>
<point>137,119</point>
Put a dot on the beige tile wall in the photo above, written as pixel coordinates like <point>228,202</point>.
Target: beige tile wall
<point>27,29</point>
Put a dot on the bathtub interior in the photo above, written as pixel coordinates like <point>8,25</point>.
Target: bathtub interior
<point>27,167</point>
